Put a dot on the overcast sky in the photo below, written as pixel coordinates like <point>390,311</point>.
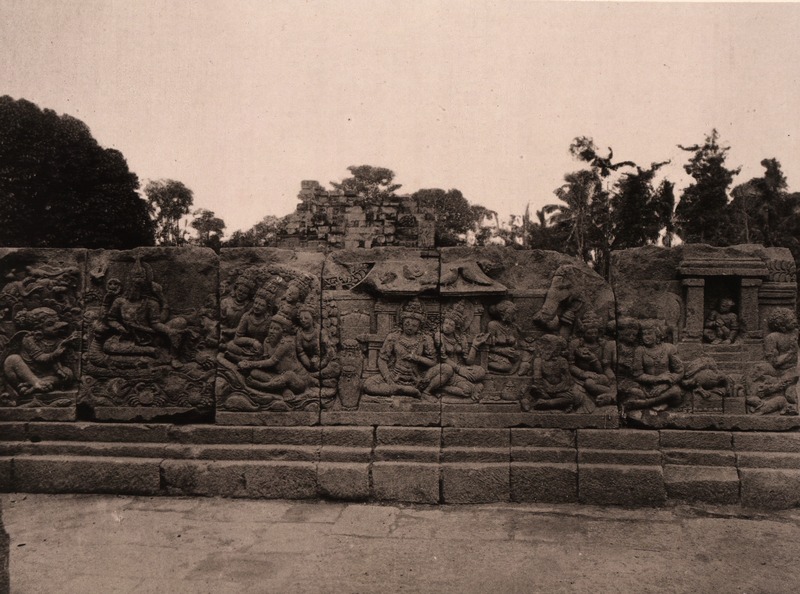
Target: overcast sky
<point>241,100</point>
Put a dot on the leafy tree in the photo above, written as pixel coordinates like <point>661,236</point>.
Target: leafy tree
<point>263,234</point>
<point>759,205</point>
<point>454,214</point>
<point>60,188</point>
<point>701,215</point>
<point>541,234</point>
<point>640,211</point>
<point>575,216</point>
<point>169,201</point>
<point>210,228</point>
<point>373,183</point>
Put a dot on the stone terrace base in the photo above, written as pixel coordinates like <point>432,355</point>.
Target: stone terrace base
<point>404,464</point>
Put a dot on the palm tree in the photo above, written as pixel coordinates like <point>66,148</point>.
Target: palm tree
<point>575,214</point>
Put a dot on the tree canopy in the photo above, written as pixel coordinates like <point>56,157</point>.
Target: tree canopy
<point>210,228</point>
<point>374,183</point>
<point>60,188</point>
<point>169,202</point>
<point>454,214</point>
<point>702,214</point>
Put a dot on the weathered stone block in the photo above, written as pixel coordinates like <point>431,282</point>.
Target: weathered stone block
<point>114,432</point>
<point>768,460</point>
<point>408,436</point>
<point>4,556</point>
<point>40,316</point>
<point>605,484</point>
<point>355,437</point>
<point>288,435</point>
<point>347,481</point>
<point>699,457</point>
<point>62,474</point>
<point>209,434</point>
<point>697,440</point>
<point>13,431</point>
<point>767,442</point>
<point>481,438</point>
<point>543,482</point>
<point>270,480</point>
<point>709,484</point>
<point>625,457</point>
<point>150,335</point>
<point>617,440</point>
<point>475,483</point>
<point>405,481</point>
<point>770,488</point>
<point>545,438</point>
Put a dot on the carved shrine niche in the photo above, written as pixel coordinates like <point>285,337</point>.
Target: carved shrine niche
<point>40,333</point>
<point>150,334</point>
<point>707,337</point>
<point>278,360</point>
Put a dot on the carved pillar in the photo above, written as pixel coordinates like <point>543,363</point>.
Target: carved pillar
<point>748,307</point>
<point>695,290</point>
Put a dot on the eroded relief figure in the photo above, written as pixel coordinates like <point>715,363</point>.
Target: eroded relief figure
<point>39,338</point>
<point>456,374</point>
<point>232,307</point>
<point>404,358</point>
<point>36,363</point>
<point>278,359</point>
<point>658,370</point>
<point>591,359</point>
<point>503,335</point>
<point>722,324</point>
<point>554,387</point>
<point>781,348</point>
<point>767,392</point>
<point>627,342</point>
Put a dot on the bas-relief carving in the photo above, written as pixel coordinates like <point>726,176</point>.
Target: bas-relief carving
<point>735,350</point>
<point>278,354</point>
<point>500,332</point>
<point>40,321</point>
<point>150,334</point>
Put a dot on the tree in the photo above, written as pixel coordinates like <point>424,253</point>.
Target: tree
<point>702,214</point>
<point>60,188</point>
<point>210,228</point>
<point>574,216</point>
<point>263,234</point>
<point>759,205</point>
<point>169,201</point>
<point>640,212</point>
<point>454,214</point>
<point>373,183</point>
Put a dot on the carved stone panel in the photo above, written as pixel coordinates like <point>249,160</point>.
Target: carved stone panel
<point>387,311</point>
<point>525,340</point>
<point>150,334</point>
<point>40,332</point>
<point>279,359</point>
<point>707,337</point>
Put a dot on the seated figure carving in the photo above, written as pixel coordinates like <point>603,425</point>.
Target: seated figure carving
<point>554,387</point>
<point>315,351</point>
<point>251,331</point>
<point>722,324</point>
<point>503,335</point>
<point>137,321</point>
<point>35,364</point>
<point>627,342</point>
<point>234,306</point>
<point>403,357</point>
<point>591,360</point>
<point>767,392</point>
<point>278,371</point>
<point>658,370</point>
<point>456,374</point>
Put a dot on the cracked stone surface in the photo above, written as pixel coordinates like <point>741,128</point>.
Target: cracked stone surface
<point>81,543</point>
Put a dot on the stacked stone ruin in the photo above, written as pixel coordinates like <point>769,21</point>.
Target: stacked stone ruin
<point>338,219</point>
<point>455,375</point>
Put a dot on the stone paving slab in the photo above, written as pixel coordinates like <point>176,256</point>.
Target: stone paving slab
<point>94,543</point>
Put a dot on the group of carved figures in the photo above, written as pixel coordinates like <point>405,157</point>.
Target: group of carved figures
<point>277,354</point>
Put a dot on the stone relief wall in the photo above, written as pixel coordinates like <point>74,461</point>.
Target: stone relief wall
<point>689,337</point>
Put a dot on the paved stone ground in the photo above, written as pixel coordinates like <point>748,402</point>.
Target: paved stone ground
<point>107,544</point>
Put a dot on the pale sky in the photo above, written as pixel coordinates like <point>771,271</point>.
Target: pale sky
<point>241,100</point>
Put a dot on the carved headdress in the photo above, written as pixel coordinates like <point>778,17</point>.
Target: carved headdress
<point>414,310</point>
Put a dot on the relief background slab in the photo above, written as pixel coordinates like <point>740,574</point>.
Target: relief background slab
<point>282,282</point>
<point>40,316</point>
<point>150,335</point>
